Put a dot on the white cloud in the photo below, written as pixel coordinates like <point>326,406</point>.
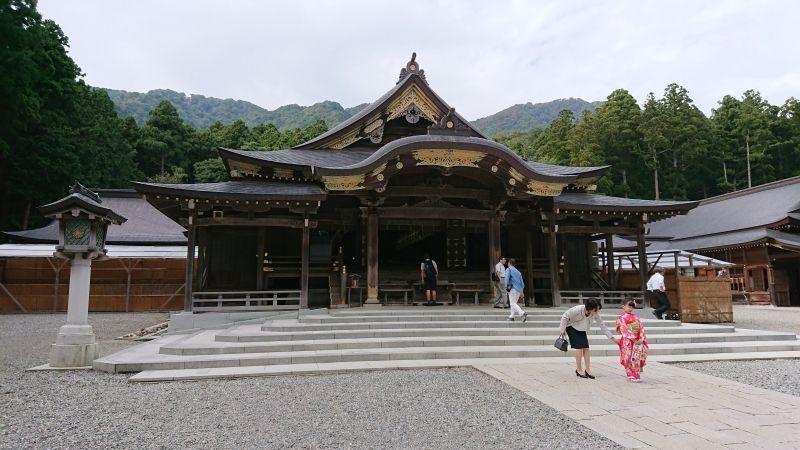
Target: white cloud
<point>480,56</point>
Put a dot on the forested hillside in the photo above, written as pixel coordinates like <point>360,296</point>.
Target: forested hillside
<point>54,129</point>
<point>668,149</point>
<point>200,111</point>
<point>523,117</point>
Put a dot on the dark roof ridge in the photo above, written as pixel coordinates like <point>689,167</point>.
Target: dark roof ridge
<point>407,77</point>
<point>760,188</point>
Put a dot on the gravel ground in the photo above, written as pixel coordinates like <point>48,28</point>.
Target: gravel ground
<point>781,375</point>
<point>767,318</point>
<point>454,408</point>
<point>777,375</point>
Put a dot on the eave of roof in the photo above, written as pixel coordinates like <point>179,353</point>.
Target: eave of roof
<point>597,202</point>
<point>240,189</point>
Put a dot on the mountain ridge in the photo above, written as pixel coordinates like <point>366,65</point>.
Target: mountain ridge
<point>200,111</point>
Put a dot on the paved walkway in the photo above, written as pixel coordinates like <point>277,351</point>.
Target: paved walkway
<point>672,408</point>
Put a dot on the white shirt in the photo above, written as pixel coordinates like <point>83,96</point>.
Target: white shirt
<point>500,269</point>
<point>576,318</point>
<point>656,283</point>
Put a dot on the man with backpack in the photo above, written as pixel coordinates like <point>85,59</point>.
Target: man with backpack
<point>428,272</point>
<point>498,278</point>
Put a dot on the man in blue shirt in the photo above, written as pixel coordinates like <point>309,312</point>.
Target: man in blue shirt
<point>515,286</point>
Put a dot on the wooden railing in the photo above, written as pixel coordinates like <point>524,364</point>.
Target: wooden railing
<point>612,298</point>
<point>245,301</point>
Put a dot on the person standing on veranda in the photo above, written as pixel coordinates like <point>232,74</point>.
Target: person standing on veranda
<point>515,287</point>
<point>656,286</point>
<point>501,298</point>
<point>428,274</point>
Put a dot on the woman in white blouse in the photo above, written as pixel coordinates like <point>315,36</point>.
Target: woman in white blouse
<point>575,322</point>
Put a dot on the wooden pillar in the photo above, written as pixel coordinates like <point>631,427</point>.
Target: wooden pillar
<point>640,246</point>
<point>187,292</point>
<point>202,260</point>
<point>677,304</point>
<point>494,240</point>
<point>372,257</point>
<point>553,257</point>
<point>770,278</point>
<point>304,266</point>
<point>262,239</point>
<point>612,280</point>
<point>529,264</point>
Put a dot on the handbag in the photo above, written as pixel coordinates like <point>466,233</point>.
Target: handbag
<point>561,343</point>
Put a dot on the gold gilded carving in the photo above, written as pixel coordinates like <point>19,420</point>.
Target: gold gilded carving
<point>373,126</point>
<point>515,174</point>
<point>587,184</point>
<point>379,169</point>
<point>344,182</point>
<point>345,140</point>
<point>239,169</point>
<point>414,96</point>
<point>545,189</point>
<point>448,158</point>
<point>372,293</point>
<point>282,173</point>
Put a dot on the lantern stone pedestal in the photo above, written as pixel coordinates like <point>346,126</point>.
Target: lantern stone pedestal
<point>75,344</point>
<point>82,223</point>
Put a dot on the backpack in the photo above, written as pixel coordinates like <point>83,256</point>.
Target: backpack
<point>494,276</point>
<point>430,270</point>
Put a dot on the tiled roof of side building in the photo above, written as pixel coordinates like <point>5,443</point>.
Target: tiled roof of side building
<point>145,224</point>
<point>749,208</point>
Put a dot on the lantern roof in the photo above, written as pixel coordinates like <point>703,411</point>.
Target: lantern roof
<point>81,199</point>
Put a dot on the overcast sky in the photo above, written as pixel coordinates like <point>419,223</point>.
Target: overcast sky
<point>480,56</point>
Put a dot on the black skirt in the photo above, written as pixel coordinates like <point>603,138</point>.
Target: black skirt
<point>577,339</point>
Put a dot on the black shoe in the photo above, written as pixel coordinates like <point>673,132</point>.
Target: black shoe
<point>524,317</point>
<point>588,375</point>
<point>510,319</point>
<point>578,374</point>
<point>496,306</point>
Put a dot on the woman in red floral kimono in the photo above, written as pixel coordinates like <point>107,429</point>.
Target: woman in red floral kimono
<point>633,346</point>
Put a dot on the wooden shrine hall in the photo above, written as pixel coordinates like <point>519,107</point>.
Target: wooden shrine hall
<point>352,212</point>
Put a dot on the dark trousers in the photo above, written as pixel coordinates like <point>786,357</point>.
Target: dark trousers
<point>662,303</point>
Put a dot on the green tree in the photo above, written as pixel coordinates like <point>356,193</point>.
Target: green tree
<point>211,170</point>
<point>164,141</point>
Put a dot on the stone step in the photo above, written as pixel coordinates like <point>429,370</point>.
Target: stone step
<point>434,318</point>
<point>323,368</point>
<point>434,311</point>
<point>253,333</point>
<point>205,345</point>
<point>293,325</point>
<point>138,358</point>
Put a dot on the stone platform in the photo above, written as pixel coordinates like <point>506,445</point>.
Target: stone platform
<point>368,339</point>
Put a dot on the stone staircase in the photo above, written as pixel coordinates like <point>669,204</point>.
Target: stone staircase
<point>368,339</point>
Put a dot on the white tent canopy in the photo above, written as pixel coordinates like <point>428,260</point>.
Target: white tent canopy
<point>114,251</point>
<point>662,258</point>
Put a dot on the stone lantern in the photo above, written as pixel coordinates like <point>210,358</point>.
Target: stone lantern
<point>83,224</point>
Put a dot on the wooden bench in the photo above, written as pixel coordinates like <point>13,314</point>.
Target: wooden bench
<point>392,287</point>
<point>467,288</point>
